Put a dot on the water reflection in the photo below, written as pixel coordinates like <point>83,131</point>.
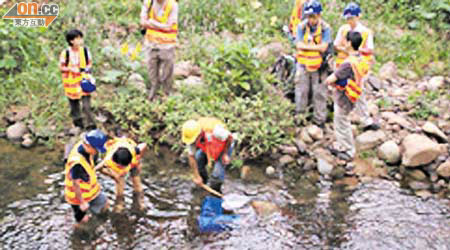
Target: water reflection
<point>309,214</point>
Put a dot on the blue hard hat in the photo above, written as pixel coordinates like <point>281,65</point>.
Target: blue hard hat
<point>312,7</point>
<point>87,86</point>
<point>341,83</point>
<point>97,139</point>
<point>351,10</point>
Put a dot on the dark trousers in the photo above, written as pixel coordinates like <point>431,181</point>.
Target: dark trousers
<point>75,112</point>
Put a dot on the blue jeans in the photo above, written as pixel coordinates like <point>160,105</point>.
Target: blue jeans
<point>218,173</point>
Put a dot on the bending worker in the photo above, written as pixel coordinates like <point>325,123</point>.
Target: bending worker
<point>123,157</point>
<point>82,189</point>
<point>208,141</point>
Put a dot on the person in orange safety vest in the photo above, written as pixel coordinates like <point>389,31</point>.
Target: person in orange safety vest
<point>208,141</point>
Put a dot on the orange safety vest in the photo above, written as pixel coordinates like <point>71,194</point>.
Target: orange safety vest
<point>207,142</point>
<point>112,146</point>
<point>90,189</point>
<point>161,36</point>
<point>341,56</point>
<point>72,81</point>
<point>360,68</point>
<point>311,59</point>
<point>296,17</point>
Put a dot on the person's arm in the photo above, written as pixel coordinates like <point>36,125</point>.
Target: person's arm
<point>173,18</point>
<point>110,173</point>
<point>322,47</point>
<point>225,157</point>
<point>78,175</point>
<point>368,47</point>
<point>83,204</point>
<point>331,79</point>
<point>193,165</point>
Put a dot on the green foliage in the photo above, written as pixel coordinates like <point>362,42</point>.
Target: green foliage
<point>384,102</point>
<point>367,154</point>
<point>422,103</point>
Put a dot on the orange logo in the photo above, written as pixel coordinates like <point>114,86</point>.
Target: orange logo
<point>32,15</point>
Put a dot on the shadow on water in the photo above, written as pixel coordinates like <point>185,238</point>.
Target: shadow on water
<point>313,213</point>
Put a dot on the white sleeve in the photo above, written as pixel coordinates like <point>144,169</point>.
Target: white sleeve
<point>337,41</point>
<point>369,43</point>
<point>173,17</point>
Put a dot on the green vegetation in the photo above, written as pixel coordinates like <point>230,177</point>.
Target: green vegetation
<point>222,37</point>
<point>422,102</point>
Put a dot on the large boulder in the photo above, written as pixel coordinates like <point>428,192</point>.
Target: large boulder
<point>370,139</point>
<point>435,83</point>
<point>16,131</point>
<point>388,71</point>
<point>191,81</point>
<point>419,150</point>
<point>137,81</point>
<point>315,132</point>
<point>184,69</point>
<point>275,49</point>
<point>389,151</point>
<point>393,118</point>
<point>432,129</point>
<point>444,169</point>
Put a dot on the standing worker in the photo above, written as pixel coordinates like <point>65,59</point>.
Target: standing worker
<point>82,189</point>
<point>352,13</point>
<point>75,65</point>
<point>122,157</point>
<point>208,141</point>
<point>348,82</point>
<point>313,38</point>
<point>296,17</point>
<point>160,18</point>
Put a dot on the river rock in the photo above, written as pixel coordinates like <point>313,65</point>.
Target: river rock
<point>419,150</point>
<point>393,118</point>
<point>435,83</point>
<point>376,83</point>
<point>309,164</point>
<point>301,147</point>
<point>370,139</point>
<point>418,175</point>
<point>27,143</point>
<point>424,194</point>
<point>324,166</point>
<point>274,49</point>
<point>16,131</point>
<point>389,151</point>
<point>373,109</point>
<point>430,128</point>
<point>444,169</point>
<point>191,81</point>
<point>417,185</point>
<point>137,81</point>
<point>270,170</point>
<point>315,132</point>
<point>388,71</point>
<point>304,136</point>
<point>289,150</point>
<point>284,160</point>
<point>264,208</point>
<point>182,69</point>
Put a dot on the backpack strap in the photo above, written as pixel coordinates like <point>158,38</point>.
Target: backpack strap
<point>67,57</point>
<point>86,55</point>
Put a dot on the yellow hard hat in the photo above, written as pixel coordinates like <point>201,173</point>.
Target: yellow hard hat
<point>191,129</point>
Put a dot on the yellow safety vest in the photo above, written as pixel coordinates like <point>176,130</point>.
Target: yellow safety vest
<point>311,59</point>
<point>296,17</point>
<point>160,36</point>
<point>341,56</point>
<point>112,146</point>
<point>90,189</point>
<point>72,81</point>
<point>360,68</point>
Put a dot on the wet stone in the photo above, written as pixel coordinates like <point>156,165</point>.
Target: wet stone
<point>417,185</point>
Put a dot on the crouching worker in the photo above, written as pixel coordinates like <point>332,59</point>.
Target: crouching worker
<point>82,189</point>
<point>122,157</point>
<point>208,141</point>
<point>348,82</point>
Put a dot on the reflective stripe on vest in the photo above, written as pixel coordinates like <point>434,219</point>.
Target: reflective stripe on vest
<point>341,56</point>
<point>112,146</point>
<point>311,59</point>
<point>296,17</point>
<point>160,36</point>
<point>207,142</point>
<point>90,189</point>
<point>353,90</point>
<point>72,81</point>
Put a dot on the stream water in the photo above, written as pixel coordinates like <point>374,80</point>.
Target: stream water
<point>316,214</point>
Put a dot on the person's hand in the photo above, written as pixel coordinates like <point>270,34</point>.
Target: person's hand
<point>197,180</point>
<point>226,159</point>
<point>84,206</point>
